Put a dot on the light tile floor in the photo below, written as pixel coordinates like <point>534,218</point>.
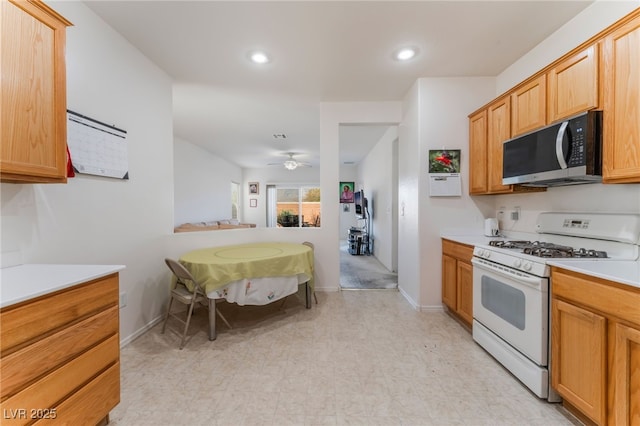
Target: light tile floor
<point>356,358</point>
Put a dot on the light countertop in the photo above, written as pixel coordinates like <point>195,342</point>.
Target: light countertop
<point>24,282</point>
<point>621,271</point>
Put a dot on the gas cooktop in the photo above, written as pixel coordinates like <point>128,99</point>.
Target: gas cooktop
<point>549,250</point>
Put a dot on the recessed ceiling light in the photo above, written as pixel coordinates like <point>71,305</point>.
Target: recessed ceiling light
<point>259,57</point>
<point>405,53</point>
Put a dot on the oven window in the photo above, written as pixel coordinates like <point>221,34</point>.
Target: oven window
<point>504,301</point>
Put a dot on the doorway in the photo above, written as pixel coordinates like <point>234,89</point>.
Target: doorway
<point>368,230</point>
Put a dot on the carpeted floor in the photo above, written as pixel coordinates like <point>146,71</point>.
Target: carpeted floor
<point>364,272</point>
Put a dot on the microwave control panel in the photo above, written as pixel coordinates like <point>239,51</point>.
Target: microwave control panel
<point>577,156</point>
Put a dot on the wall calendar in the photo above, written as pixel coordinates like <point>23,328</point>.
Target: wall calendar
<point>97,148</point>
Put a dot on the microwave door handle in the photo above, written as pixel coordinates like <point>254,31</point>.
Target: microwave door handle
<point>559,152</point>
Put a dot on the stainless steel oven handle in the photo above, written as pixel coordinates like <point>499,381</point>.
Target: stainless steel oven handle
<point>529,280</point>
<point>559,137</point>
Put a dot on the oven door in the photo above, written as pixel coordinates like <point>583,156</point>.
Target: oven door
<point>514,306</point>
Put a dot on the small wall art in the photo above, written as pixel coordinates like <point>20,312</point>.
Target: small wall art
<point>444,173</point>
<point>253,188</point>
<point>253,202</point>
<point>346,192</point>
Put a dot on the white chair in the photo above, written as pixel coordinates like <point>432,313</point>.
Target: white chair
<point>310,244</point>
<point>182,294</point>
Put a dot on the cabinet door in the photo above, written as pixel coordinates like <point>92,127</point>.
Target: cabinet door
<point>33,97</point>
<point>579,356</point>
<point>478,153</point>
<point>464,284</point>
<point>499,130</point>
<point>573,85</point>
<point>528,107</point>
<point>626,370</point>
<point>449,290</point>
<point>621,127</point>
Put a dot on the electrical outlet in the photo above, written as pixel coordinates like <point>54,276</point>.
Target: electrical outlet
<point>123,299</point>
<point>515,214</point>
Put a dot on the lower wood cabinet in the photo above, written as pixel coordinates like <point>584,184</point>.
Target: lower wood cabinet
<point>457,280</point>
<point>60,359</point>
<point>595,347</point>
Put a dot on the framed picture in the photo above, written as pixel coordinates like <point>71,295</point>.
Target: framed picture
<point>444,161</point>
<point>346,192</point>
<point>346,208</point>
<point>253,188</point>
<point>253,202</point>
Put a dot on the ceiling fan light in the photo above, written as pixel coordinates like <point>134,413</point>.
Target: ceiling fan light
<point>290,164</point>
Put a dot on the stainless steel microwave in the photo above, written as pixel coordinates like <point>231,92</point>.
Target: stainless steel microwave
<point>565,153</point>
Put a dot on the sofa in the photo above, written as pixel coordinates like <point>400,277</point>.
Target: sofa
<point>213,225</point>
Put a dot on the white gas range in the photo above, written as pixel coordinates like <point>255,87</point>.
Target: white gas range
<point>511,285</point>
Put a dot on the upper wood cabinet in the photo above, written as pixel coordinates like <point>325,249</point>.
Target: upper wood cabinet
<point>528,106</point>
<point>573,85</point>
<point>478,152</point>
<point>498,131</point>
<point>33,98</point>
<point>621,122</point>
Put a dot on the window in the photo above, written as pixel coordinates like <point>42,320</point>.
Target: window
<point>235,197</point>
<point>293,206</point>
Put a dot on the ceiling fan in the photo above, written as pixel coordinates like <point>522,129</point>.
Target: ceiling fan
<point>291,163</point>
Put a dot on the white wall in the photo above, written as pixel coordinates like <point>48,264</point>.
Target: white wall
<point>202,184</point>
<point>95,220</point>
<point>376,177</point>
<point>591,197</point>
<point>434,117</point>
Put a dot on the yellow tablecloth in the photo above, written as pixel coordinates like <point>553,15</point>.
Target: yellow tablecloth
<point>216,267</point>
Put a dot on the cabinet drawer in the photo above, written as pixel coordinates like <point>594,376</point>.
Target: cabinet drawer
<point>47,392</point>
<point>22,367</point>
<point>457,250</point>
<point>91,403</point>
<point>22,323</point>
<point>602,295</point>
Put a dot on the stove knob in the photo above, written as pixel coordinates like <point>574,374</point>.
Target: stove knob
<point>527,266</point>
<point>517,263</point>
<point>480,252</point>
<point>487,254</point>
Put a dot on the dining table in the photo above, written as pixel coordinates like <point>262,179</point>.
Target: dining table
<point>251,274</point>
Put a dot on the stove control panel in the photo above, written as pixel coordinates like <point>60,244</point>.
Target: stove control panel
<point>576,223</point>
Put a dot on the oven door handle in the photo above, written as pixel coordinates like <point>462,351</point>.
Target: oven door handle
<point>531,281</point>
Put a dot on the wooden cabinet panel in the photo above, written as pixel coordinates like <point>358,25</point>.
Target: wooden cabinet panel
<point>459,251</point>
<point>528,107</point>
<point>579,353</point>
<point>595,344</point>
<point>621,121</point>
<point>626,369</point>
<point>498,131</point>
<point>27,364</point>
<point>457,280</point>
<point>478,152</point>
<point>573,85</point>
<point>33,94</point>
<point>61,355</point>
<point>62,381</point>
<point>88,405</point>
<point>25,322</point>
<point>449,287</point>
<point>464,285</point>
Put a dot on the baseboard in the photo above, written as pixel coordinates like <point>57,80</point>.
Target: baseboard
<point>432,308</point>
<point>124,342</point>
<point>412,302</point>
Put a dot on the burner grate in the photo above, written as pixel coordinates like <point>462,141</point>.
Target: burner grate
<point>549,250</point>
